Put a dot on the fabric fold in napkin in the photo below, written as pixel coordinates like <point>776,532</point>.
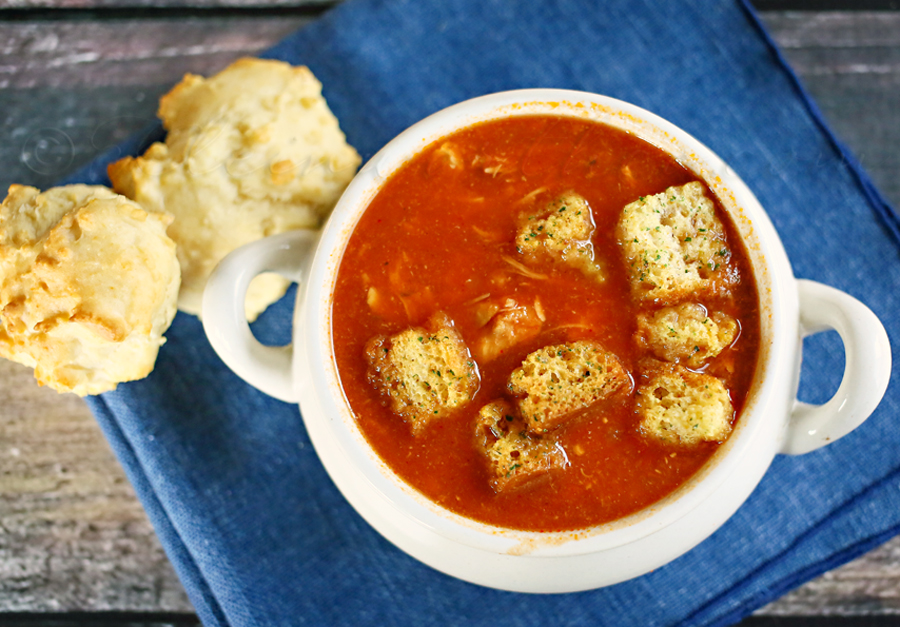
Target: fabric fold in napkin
<point>254,527</point>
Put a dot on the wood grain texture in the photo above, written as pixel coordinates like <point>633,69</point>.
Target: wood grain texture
<point>72,535</point>
<point>130,52</point>
<point>70,90</point>
<point>762,5</point>
<point>850,63</point>
<point>118,5</point>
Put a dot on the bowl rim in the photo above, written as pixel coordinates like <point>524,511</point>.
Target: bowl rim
<point>330,421</point>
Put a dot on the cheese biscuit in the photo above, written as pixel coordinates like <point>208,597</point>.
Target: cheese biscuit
<point>88,282</point>
<point>250,152</point>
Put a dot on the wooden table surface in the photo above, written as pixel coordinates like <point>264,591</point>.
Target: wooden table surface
<point>77,76</point>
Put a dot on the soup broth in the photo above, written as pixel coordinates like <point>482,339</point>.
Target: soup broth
<point>446,234</point>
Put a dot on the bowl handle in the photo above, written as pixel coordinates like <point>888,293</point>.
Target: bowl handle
<point>267,368</point>
<point>867,368</point>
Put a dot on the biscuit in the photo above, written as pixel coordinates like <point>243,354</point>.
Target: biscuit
<point>672,243</point>
<point>426,373</point>
<point>88,283</point>
<point>250,152</point>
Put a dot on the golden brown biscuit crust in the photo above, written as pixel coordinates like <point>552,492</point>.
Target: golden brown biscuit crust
<point>88,282</point>
<point>250,152</point>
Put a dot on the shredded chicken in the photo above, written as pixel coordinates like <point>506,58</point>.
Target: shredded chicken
<point>506,323</point>
<point>485,311</point>
<point>522,269</point>
<point>530,195</point>
<point>447,155</point>
<point>372,298</point>
<point>477,299</point>
<point>488,236</point>
<point>493,165</point>
<point>539,310</point>
<point>418,304</point>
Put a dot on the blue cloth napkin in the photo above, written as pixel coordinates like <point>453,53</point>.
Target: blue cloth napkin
<point>254,527</point>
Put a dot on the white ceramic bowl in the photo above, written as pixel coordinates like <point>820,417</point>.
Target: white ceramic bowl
<point>772,422</point>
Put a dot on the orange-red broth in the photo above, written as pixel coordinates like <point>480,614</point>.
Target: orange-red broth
<point>434,239</point>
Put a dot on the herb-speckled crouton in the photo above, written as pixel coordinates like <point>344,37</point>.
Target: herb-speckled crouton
<point>562,231</point>
<point>425,372</point>
<point>514,456</point>
<point>673,243</point>
<point>677,405</point>
<point>555,383</point>
<point>686,333</point>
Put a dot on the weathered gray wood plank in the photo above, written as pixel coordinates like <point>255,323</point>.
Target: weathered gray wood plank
<point>869,585</point>
<point>130,52</point>
<point>762,5</point>
<point>72,536</point>
<point>167,4</point>
<point>70,90</point>
<point>850,63</point>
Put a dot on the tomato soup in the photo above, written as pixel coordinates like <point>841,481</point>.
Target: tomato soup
<point>441,236</point>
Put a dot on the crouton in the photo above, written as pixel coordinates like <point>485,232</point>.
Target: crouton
<point>506,323</point>
<point>557,382</point>
<point>686,334</point>
<point>679,406</point>
<point>426,373</point>
<point>673,244</point>
<point>563,232</point>
<point>514,456</point>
